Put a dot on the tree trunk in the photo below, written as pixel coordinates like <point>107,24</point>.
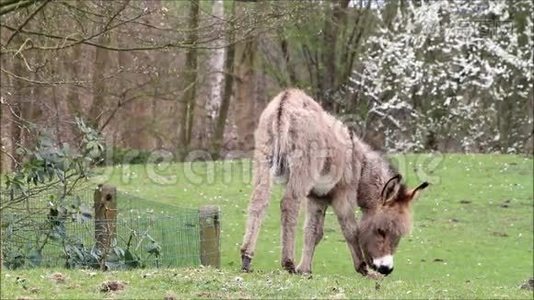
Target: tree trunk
<point>190,79</point>
<point>335,15</point>
<point>6,120</point>
<point>222,114</point>
<point>328,56</point>
<point>245,88</point>
<point>16,114</point>
<point>71,65</point>
<point>290,69</point>
<point>102,59</point>
<point>5,143</point>
<point>216,69</point>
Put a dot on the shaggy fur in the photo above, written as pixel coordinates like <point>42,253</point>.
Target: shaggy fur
<point>316,157</point>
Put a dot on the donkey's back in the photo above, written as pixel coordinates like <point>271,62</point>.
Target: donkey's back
<point>305,146</point>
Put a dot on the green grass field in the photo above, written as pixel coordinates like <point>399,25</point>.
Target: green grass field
<point>472,238</point>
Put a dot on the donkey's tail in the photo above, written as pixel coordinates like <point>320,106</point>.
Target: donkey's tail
<point>280,166</point>
<point>279,160</point>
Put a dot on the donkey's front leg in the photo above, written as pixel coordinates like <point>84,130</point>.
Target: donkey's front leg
<point>313,232</point>
<point>289,207</point>
<point>345,216</point>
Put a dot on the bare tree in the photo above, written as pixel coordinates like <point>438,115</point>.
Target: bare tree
<point>222,114</point>
<point>189,81</point>
<point>101,62</point>
<point>216,69</point>
<point>245,118</point>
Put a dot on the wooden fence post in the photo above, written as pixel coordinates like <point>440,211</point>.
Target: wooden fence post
<point>105,219</point>
<point>210,232</point>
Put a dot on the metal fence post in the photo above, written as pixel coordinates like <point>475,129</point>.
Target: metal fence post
<point>210,232</point>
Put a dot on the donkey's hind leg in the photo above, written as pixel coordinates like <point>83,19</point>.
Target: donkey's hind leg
<point>256,210</point>
<point>299,185</point>
<point>289,212</point>
<point>313,232</point>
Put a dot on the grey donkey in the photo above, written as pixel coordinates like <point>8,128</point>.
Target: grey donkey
<point>318,159</point>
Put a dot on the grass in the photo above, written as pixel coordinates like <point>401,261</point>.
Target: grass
<point>472,237</point>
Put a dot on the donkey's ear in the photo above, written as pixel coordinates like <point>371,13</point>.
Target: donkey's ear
<point>391,189</point>
<point>413,193</point>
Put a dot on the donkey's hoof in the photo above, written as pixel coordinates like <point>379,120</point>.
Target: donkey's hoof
<point>305,274</point>
<point>289,266</point>
<point>245,263</point>
<point>303,271</point>
<point>362,269</point>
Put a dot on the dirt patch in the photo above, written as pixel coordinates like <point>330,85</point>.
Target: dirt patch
<point>505,204</point>
<point>500,234</point>
<point>372,274</point>
<point>465,202</point>
<point>528,285</point>
<point>112,286</point>
<point>439,260</point>
<point>170,296</point>
<point>73,286</point>
<point>205,295</point>
<point>58,278</point>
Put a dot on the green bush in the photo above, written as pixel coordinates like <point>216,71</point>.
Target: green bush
<point>127,156</point>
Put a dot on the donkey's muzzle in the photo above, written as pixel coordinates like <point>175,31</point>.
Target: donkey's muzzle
<point>383,265</point>
<point>384,270</point>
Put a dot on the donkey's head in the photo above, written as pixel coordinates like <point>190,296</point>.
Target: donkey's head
<point>381,229</point>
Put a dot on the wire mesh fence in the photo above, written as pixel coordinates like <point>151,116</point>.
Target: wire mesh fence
<point>143,233</point>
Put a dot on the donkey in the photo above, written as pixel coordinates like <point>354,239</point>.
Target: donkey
<point>318,159</point>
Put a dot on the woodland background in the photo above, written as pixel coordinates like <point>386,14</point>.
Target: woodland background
<point>178,76</point>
